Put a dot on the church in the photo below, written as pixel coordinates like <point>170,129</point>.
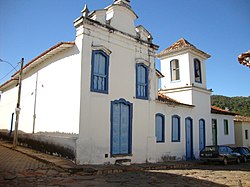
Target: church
<point>100,95</point>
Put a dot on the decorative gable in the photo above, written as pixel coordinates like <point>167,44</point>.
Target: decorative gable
<point>98,15</point>
<point>120,16</point>
<point>143,34</point>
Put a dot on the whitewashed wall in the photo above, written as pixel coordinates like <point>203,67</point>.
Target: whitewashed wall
<point>246,126</point>
<point>58,95</point>
<point>7,107</point>
<point>223,139</point>
<point>240,139</point>
<point>166,82</point>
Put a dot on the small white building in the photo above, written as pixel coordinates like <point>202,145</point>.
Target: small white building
<point>242,130</point>
<point>102,91</point>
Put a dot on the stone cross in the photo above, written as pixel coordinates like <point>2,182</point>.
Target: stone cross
<point>122,1</point>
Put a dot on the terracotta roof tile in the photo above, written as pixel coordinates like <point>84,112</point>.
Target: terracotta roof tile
<point>242,118</point>
<point>178,46</point>
<point>244,59</point>
<point>217,110</point>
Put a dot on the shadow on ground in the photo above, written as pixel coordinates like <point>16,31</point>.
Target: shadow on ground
<point>155,179</point>
<point>220,167</point>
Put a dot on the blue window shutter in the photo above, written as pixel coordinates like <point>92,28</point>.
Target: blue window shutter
<point>116,129</point>
<point>159,127</point>
<point>175,128</point>
<point>141,81</point>
<point>99,72</point>
<point>124,129</point>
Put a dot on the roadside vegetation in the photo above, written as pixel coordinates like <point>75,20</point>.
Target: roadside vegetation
<point>239,105</point>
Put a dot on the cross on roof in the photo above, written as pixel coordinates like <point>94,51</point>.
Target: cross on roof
<point>122,1</point>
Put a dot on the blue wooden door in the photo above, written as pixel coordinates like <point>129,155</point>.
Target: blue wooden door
<point>120,128</point>
<point>189,138</point>
<point>202,137</point>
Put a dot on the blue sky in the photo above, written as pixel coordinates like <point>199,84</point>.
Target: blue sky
<point>220,28</point>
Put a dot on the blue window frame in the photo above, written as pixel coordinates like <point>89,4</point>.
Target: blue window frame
<point>141,81</point>
<point>99,72</point>
<point>159,127</point>
<point>175,70</point>
<point>176,132</point>
<point>197,70</point>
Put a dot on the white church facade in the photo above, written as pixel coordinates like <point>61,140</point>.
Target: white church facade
<point>102,90</point>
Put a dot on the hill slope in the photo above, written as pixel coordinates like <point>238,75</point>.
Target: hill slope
<point>239,105</point>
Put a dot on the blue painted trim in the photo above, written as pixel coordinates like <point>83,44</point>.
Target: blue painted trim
<point>163,127</point>
<point>121,100</point>
<point>179,130</point>
<point>147,73</point>
<point>204,132</point>
<point>196,60</point>
<point>105,91</point>
<point>171,70</point>
<point>192,149</point>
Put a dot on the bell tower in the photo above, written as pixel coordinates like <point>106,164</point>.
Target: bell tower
<point>184,68</point>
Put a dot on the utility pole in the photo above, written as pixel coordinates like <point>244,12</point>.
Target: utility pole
<point>18,105</point>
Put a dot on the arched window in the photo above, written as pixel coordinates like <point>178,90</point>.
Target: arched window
<point>141,81</point>
<point>197,70</point>
<point>160,127</point>
<point>175,71</point>
<point>176,132</point>
<point>99,71</point>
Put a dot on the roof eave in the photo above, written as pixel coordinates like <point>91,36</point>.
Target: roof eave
<point>170,52</point>
<point>158,73</point>
<point>43,56</point>
<point>217,110</point>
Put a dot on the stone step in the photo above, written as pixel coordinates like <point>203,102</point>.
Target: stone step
<point>123,162</point>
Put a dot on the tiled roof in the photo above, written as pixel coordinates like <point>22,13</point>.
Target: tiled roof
<point>168,100</point>
<point>217,110</point>
<point>242,118</point>
<point>46,54</point>
<point>180,45</point>
<point>244,59</point>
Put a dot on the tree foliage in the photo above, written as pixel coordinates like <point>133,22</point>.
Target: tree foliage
<point>239,105</point>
